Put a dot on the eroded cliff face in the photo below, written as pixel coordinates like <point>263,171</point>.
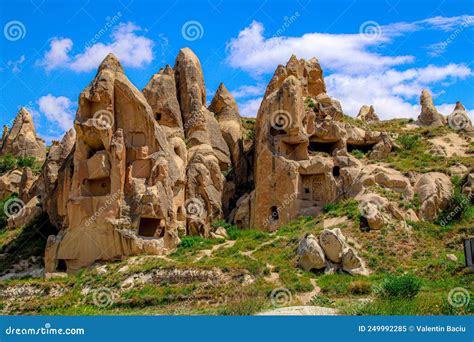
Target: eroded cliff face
<point>144,167</point>
<point>141,169</point>
<point>302,143</point>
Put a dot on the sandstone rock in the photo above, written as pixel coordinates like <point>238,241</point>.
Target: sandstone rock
<point>21,139</point>
<point>119,186</point>
<point>468,187</point>
<point>332,242</point>
<point>434,190</point>
<point>219,233</point>
<point>458,170</point>
<point>352,263</point>
<point>311,255</point>
<point>10,183</point>
<point>371,207</point>
<point>452,257</point>
<point>367,114</point>
<point>243,214</point>
<point>227,113</point>
<point>429,115</point>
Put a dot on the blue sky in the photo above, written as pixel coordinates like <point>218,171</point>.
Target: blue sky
<point>372,52</point>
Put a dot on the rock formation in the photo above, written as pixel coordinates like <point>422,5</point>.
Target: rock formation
<point>367,114</point>
<point>429,115</point>
<point>434,190</point>
<point>302,146</point>
<point>21,139</point>
<point>459,120</point>
<point>329,252</point>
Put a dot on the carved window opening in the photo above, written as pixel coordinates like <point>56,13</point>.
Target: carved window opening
<point>96,187</point>
<point>158,116</point>
<point>150,227</point>
<point>61,265</point>
<point>274,213</point>
<point>336,171</point>
<point>326,147</point>
<point>363,148</point>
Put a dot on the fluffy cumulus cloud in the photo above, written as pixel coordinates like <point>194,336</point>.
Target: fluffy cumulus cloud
<point>58,110</point>
<point>126,43</point>
<point>356,73</point>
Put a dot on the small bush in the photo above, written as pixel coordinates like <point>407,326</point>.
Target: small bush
<point>360,287</point>
<point>405,286</point>
<point>7,163</point>
<point>26,162</point>
<point>409,142</point>
<point>324,301</point>
<point>358,154</point>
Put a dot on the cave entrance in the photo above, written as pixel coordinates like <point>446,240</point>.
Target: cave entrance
<point>363,148</point>
<point>322,146</point>
<point>150,227</point>
<point>61,265</point>
<point>274,213</point>
<point>96,187</point>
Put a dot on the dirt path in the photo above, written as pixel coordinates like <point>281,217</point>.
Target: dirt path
<point>305,310</point>
<point>306,297</point>
<point>209,252</point>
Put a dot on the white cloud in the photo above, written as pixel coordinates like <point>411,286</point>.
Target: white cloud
<point>248,91</point>
<point>15,65</point>
<point>250,108</point>
<point>58,110</point>
<point>58,54</point>
<point>132,50</point>
<point>355,74</point>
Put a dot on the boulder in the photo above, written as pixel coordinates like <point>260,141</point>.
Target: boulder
<point>21,140</point>
<point>10,183</point>
<point>311,255</point>
<point>367,114</point>
<point>332,242</point>
<point>434,190</point>
<point>352,263</point>
<point>459,120</point>
<point>26,214</point>
<point>468,187</point>
<point>429,115</point>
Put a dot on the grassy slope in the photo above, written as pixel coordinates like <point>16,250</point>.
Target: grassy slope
<point>421,250</point>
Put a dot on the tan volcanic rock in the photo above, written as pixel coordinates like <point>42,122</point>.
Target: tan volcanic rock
<point>10,183</point>
<point>434,190</point>
<point>429,115</point>
<point>301,147</point>
<point>459,120</point>
<point>122,175</point>
<point>208,153</point>
<point>367,114</point>
<point>21,139</point>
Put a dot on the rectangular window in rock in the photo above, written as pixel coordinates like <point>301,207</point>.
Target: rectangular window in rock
<point>150,227</point>
<point>96,187</point>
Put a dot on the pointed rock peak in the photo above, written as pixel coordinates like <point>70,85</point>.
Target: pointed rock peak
<point>111,62</point>
<point>459,106</point>
<point>24,115</point>
<point>187,53</point>
<point>222,99</point>
<point>167,70</point>
<point>426,95</point>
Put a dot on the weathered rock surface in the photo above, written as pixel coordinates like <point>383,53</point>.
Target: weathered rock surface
<point>329,252</point>
<point>367,114</point>
<point>429,115</point>
<point>434,190</point>
<point>21,140</point>
<point>10,183</point>
<point>459,120</point>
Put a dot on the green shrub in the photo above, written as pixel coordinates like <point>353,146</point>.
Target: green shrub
<point>409,142</point>
<point>7,163</point>
<point>360,287</point>
<point>26,162</point>
<point>405,286</point>
<point>358,154</point>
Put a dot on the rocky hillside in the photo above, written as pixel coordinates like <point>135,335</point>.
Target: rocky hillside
<point>158,203</point>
